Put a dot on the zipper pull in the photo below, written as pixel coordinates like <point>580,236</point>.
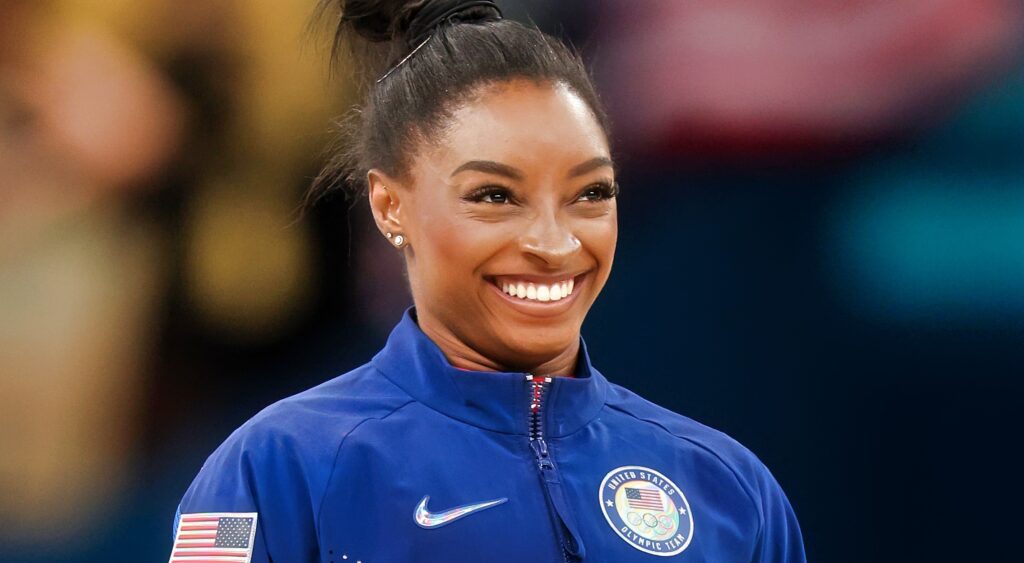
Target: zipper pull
<point>538,385</point>
<point>540,449</point>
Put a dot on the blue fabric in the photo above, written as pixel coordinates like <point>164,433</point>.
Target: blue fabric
<point>336,472</point>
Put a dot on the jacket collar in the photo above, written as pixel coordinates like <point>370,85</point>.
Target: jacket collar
<point>497,401</point>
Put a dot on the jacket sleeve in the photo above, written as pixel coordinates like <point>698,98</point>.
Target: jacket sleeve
<point>780,540</point>
<point>256,474</point>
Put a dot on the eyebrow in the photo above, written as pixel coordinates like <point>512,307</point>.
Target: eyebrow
<point>492,167</point>
<point>591,165</point>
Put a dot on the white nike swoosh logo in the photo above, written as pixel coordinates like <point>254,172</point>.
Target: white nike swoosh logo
<point>427,519</point>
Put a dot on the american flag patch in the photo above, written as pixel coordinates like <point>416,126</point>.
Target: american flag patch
<point>215,537</point>
<point>644,498</point>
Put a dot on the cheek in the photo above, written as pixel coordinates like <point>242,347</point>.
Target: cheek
<point>440,240</point>
<point>452,249</point>
<point>599,237</point>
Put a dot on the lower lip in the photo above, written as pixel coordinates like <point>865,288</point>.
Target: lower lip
<point>543,308</point>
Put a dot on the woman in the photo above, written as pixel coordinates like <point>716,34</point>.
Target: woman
<point>481,432</point>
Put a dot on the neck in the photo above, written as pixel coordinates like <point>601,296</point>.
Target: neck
<point>463,356</point>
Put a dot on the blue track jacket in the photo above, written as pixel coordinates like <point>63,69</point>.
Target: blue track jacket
<point>408,458</point>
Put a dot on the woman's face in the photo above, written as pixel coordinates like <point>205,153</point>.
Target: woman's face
<point>510,219</point>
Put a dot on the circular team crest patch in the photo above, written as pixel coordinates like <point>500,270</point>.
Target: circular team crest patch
<point>647,510</point>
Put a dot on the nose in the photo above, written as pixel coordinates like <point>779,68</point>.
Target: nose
<point>549,241</point>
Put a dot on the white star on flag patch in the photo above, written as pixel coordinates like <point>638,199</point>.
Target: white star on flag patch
<point>214,537</point>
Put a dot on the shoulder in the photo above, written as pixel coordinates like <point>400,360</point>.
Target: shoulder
<point>277,465</point>
<point>778,536</point>
<point>293,443</point>
<point>715,442</point>
<point>720,448</point>
<point>322,416</point>
<point>335,406</point>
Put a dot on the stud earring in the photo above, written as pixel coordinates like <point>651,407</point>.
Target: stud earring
<point>397,240</point>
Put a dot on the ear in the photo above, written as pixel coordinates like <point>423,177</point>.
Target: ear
<point>385,195</point>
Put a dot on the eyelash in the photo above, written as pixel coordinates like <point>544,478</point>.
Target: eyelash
<point>602,190</point>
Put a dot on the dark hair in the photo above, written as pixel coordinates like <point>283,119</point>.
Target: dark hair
<point>469,48</point>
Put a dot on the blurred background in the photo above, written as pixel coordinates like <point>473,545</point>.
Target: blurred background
<point>821,253</point>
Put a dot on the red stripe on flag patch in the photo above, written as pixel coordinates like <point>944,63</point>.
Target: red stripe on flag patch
<point>211,553</point>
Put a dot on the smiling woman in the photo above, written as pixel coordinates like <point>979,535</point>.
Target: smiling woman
<point>483,151</point>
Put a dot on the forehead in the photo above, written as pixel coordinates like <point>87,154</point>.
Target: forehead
<point>524,124</point>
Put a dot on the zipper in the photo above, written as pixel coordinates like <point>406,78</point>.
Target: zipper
<point>571,547</point>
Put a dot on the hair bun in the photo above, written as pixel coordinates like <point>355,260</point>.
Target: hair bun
<point>433,13</point>
<point>410,20</point>
<point>376,20</point>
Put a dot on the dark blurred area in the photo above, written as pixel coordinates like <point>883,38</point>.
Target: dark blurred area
<point>821,253</point>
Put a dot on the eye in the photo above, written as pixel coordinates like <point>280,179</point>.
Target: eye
<point>496,195</point>
<point>600,191</point>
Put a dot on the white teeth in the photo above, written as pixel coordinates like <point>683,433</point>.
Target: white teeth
<point>539,292</point>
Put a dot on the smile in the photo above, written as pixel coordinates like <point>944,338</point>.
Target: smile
<point>539,296</point>
<point>542,292</point>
